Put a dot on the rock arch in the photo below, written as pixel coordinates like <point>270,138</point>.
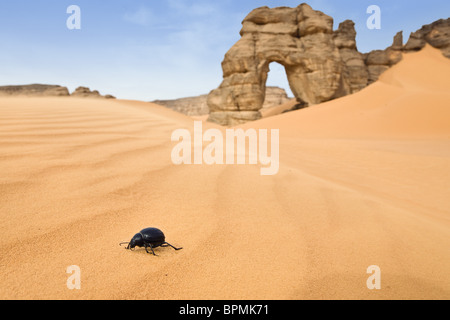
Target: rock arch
<point>321,64</point>
<point>300,39</point>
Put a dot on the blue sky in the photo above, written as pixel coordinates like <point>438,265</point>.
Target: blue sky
<point>149,49</point>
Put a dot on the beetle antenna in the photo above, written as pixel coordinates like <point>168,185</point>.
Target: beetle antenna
<point>122,243</point>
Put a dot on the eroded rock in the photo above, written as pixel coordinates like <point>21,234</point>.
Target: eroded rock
<point>437,34</point>
<point>84,92</point>
<point>42,90</point>
<point>355,72</point>
<point>320,64</point>
<point>198,106</point>
<point>300,39</point>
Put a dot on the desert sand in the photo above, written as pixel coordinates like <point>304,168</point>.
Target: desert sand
<point>364,180</point>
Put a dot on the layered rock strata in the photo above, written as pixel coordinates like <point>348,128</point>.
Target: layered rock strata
<point>85,92</point>
<point>321,64</point>
<point>198,106</point>
<point>300,39</point>
<point>437,34</point>
<point>34,90</point>
<point>44,90</point>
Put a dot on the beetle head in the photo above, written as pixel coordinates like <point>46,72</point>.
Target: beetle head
<point>136,241</point>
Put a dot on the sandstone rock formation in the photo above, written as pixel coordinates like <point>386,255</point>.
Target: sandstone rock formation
<point>321,64</point>
<point>274,97</point>
<point>378,61</point>
<point>355,74</point>
<point>34,90</point>
<point>198,106</point>
<point>191,106</point>
<point>45,90</point>
<point>85,92</point>
<point>437,34</point>
<point>300,39</point>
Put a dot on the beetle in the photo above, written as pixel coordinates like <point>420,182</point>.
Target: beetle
<point>148,238</point>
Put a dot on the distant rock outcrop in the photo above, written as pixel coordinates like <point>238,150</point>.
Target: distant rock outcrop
<point>85,92</point>
<point>45,90</point>
<point>198,106</point>
<point>191,106</point>
<point>34,90</point>
<point>275,96</point>
<point>321,64</point>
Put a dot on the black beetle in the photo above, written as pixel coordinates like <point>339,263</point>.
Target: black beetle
<point>148,238</point>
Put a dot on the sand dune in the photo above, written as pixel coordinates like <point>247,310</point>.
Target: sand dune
<point>364,180</point>
<point>410,100</point>
<point>276,110</point>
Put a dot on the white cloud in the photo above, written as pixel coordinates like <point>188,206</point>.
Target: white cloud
<point>143,17</point>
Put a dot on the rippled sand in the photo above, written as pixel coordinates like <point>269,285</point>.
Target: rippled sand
<point>364,180</point>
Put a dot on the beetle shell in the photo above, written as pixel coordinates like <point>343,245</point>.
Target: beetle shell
<point>153,236</point>
<point>149,238</point>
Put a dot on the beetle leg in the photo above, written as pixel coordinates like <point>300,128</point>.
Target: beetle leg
<point>168,244</point>
<point>149,245</point>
